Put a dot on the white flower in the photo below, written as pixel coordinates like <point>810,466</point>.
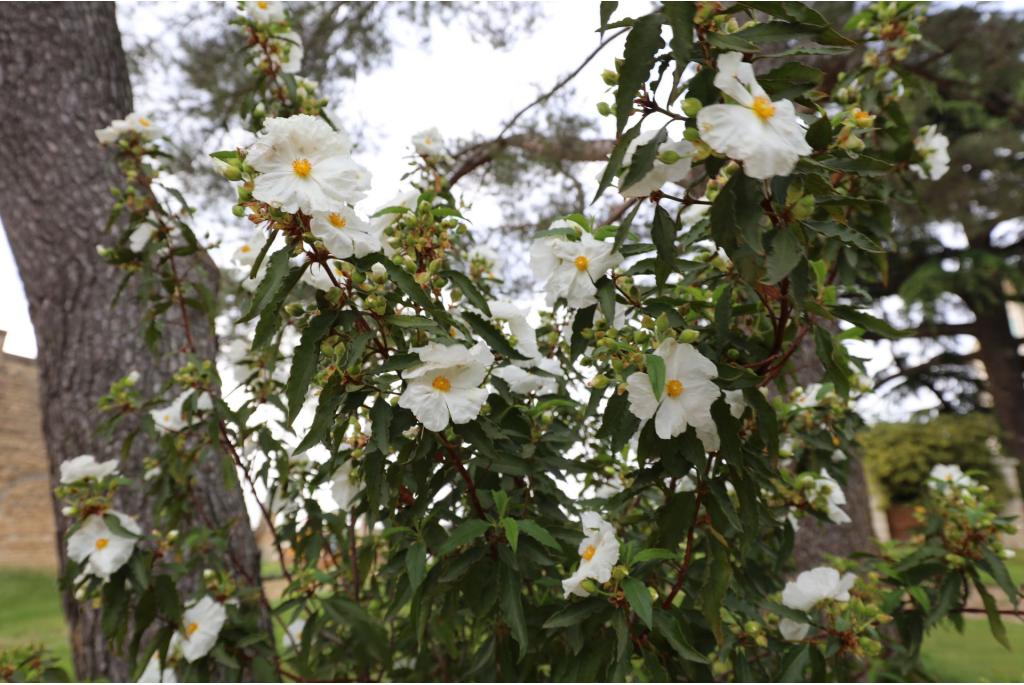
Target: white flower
<point>518,327</point>
<point>133,123</point>
<point>599,552</point>
<point>98,547</point>
<point>766,136</point>
<point>708,432</point>
<point>263,12</point>
<point>827,486</point>
<point>934,149</point>
<point>290,44</point>
<point>523,382</point>
<point>838,456</point>
<point>447,384</point>
<point>660,173</point>
<point>344,488</point>
<point>153,674</point>
<point>687,396</point>
<point>687,484</point>
<point>816,585</point>
<point>171,417</point>
<point>345,233</point>
<point>202,621</point>
<point>794,631</point>
<point>152,473</point>
<point>293,633</point>
<point>943,475</point>
<point>808,396</point>
<point>305,165</point>
<point>86,466</point>
<point>316,275</point>
<point>428,143</point>
<point>568,268</point>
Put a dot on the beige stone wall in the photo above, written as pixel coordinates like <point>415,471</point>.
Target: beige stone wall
<point>26,509</point>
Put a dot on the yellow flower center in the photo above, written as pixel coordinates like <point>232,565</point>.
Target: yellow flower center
<point>337,220</point>
<point>589,553</point>
<point>302,167</point>
<point>763,107</point>
<point>442,384</point>
<point>428,140</point>
<point>191,629</point>
<point>582,263</point>
<point>262,4</point>
<point>246,249</point>
<point>101,543</point>
<point>674,388</point>
<point>144,121</point>
<point>860,116</point>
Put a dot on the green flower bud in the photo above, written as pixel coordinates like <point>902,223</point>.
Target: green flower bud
<point>294,309</point>
<point>688,336</point>
<point>589,585</point>
<point>853,144</point>
<point>619,572</point>
<point>238,210</point>
<point>691,106</point>
<point>604,109</point>
<point>668,157</point>
<point>692,135</point>
<point>804,207</point>
<point>600,381</point>
<point>610,78</point>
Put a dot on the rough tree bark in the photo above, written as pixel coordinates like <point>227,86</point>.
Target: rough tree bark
<point>63,74</point>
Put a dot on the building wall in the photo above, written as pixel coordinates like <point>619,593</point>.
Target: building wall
<point>26,508</point>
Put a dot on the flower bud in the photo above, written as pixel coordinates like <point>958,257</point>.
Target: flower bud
<point>691,106</point>
<point>589,585</point>
<point>688,336</point>
<point>619,572</point>
<point>172,535</point>
<point>610,78</point>
<point>668,157</point>
<point>692,135</point>
<point>604,109</point>
<point>600,381</point>
<point>804,207</point>
<point>294,309</point>
<point>209,574</point>
<point>853,144</point>
<point>238,210</point>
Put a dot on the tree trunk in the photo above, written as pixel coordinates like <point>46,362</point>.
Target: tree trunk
<point>63,74</point>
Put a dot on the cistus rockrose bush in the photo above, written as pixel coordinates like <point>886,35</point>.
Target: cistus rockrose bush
<point>605,489</point>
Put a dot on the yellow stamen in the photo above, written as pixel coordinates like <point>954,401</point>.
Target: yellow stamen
<point>860,116</point>
<point>763,107</point>
<point>674,388</point>
<point>245,249</point>
<point>582,263</point>
<point>302,167</point>
<point>101,543</point>
<point>589,553</point>
<point>262,4</point>
<point>192,628</point>
<point>443,384</point>
<point>144,121</point>
<point>337,220</point>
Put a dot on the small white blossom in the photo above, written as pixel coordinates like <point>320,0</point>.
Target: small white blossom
<point>203,622</point>
<point>101,549</point>
<point>264,12</point>
<point>687,396</point>
<point>599,552</point>
<point>660,173</point>
<point>505,312</point>
<point>569,268</point>
<point>766,136</point>
<point>171,417</point>
<point>817,585</point>
<point>826,485</point>
<point>136,123</point>
<point>86,466</point>
<point>949,475</point>
<point>345,234</point>
<point>447,384</point>
<point>428,143</point>
<point>934,149</point>
<point>153,674</point>
<point>305,165</point>
<point>794,631</point>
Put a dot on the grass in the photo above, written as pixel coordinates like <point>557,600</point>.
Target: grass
<point>30,612</point>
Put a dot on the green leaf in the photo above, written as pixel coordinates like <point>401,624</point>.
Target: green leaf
<point>270,317</point>
<point>663,233</point>
<point>793,664</point>
<point>416,564</point>
<point>995,621</point>
<point>680,18</point>
<point>785,254</point>
<point>848,235</point>
<point>462,282</point>
<point>606,298</point>
<point>611,170</point>
<point>304,361</point>
<point>277,269</point>
<point>409,321</point>
<point>323,420</point>
<point>669,629</point>
<point>464,533</point>
<point>607,8</point>
<point>995,567</point>
<point>512,607</point>
<point>736,212</point>
<point>380,418</point>
<point>865,321</point>
<point>642,44</point>
<point>643,160</point>
<point>639,599</point>
<point>494,338</point>
<point>511,527</point>
<point>538,533</point>
<point>405,282</point>
<point>819,134</point>
<point>656,373</point>
<point>575,613</point>
<point>654,553</point>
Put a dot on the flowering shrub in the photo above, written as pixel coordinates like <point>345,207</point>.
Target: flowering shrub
<point>608,490</point>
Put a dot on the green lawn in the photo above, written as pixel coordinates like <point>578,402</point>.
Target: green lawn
<point>30,612</point>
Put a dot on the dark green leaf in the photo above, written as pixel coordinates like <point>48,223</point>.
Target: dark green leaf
<point>416,564</point>
<point>541,535</point>
<point>380,418</point>
<point>656,373</point>
<point>785,254</point>
<point>462,282</point>
<point>642,43</point>
<point>304,361</point>
<point>643,160</point>
<point>464,533</point>
<point>277,269</point>
<point>639,599</point>
<point>491,335</point>
<point>611,170</point>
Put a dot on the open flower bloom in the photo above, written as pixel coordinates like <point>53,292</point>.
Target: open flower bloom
<point>708,433</point>
<point>153,674</point>
<point>86,466</point>
<point>523,382</point>
<point>948,475</point>
<point>428,143</point>
<point>305,165</point>
<point>202,621</point>
<point>447,384</point>
<point>265,12</point>
<point>514,320</point>
<point>136,123</point>
<point>660,173</point>
<point>345,234</point>
<point>172,417</point>
<point>345,488</point>
<point>316,274</point>
<point>934,149</point>
<point>834,496</point>
<point>599,552</point>
<point>687,396</point>
<point>568,268</point>
<point>766,136</point>
<point>817,585</point>
<point>101,549</point>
